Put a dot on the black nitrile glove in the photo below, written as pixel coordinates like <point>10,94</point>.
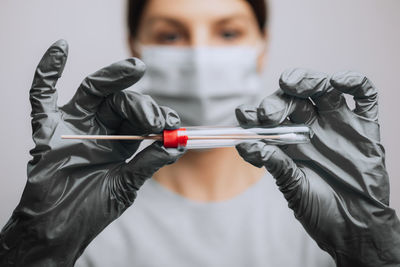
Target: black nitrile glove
<point>76,188</point>
<point>337,185</point>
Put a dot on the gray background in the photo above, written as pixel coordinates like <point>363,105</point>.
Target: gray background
<point>324,35</point>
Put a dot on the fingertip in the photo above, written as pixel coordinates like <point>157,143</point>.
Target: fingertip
<point>138,65</point>
<point>303,83</point>
<point>251,152</point>
<point>246,115</point>
<point>166,155</point>
<point>153,117</point>
<point>147,113</point>
<point>62,44</point>
<point>274,109</point>
<point>346,80</point>
<point>364,92</point>
<point>171,117</point>
<point>261,154</point>
<point>131,68</point>
<point>244,147</point>
<point>150,160</point>
<point>290,77</point>
<point>115,77</point>
<point>53,61</point>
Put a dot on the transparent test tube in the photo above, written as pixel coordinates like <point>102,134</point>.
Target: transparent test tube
<point>201,137</point>
<point>204,137</point>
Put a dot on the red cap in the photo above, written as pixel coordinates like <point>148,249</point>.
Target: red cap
<point>175,138</point>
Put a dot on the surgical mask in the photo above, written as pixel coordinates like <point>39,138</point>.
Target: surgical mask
<point>205,84</point>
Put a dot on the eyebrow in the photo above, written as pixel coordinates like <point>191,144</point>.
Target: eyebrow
<point>156,19</point>
<point>233,17</point>
<point>177,23</point>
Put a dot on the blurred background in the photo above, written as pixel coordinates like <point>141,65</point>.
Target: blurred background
<point>324,35</point>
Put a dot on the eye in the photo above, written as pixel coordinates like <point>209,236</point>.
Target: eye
<point>230,34</point>
<point>169,37</point>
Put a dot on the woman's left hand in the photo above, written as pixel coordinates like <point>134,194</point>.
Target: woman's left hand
<point>337,185</point>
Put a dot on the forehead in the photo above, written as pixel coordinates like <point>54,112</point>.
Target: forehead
<point>189,10</point>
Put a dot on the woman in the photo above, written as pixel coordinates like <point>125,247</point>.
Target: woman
<point>210,208</point>
<point>224,211</point>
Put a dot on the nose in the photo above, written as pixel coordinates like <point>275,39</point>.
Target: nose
<point>200,35</point>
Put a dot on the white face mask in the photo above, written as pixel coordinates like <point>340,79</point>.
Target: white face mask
<point>204,85</point>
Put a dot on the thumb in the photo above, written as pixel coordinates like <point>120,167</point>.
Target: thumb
<point>289,178</point>
<point>142,167</point>
<point>43,95</point>
<point>150,160</point>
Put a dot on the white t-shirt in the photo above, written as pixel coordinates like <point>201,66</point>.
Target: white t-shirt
<point>255,228</point>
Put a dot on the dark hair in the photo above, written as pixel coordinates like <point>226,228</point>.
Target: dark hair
<point>136,7</point>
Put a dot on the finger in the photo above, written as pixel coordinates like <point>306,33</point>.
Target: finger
<point>246,115</point>
<point>142,167</point>
<point>288,176</point>
<point>304,83</point>
<point>363,91</point>
<point>131,113</point>
<point>171,117</point>
<point>43,95</point>
<point>277,107</point>
<point>105,82</point>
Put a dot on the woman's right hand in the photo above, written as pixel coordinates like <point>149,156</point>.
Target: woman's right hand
<point>76,188</point>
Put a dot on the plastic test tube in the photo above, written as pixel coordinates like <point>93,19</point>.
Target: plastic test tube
<point>201,137</point>
<point>214,137</point>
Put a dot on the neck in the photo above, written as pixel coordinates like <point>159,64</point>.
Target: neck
<point>209,175</point>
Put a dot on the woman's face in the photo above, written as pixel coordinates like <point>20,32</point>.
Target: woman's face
<point>199,23</point>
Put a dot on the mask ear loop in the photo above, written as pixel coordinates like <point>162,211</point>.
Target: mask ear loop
<point>260,47</point>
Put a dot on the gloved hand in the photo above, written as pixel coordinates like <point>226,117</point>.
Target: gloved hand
<point>337,185</point>
<point>76,188</point>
